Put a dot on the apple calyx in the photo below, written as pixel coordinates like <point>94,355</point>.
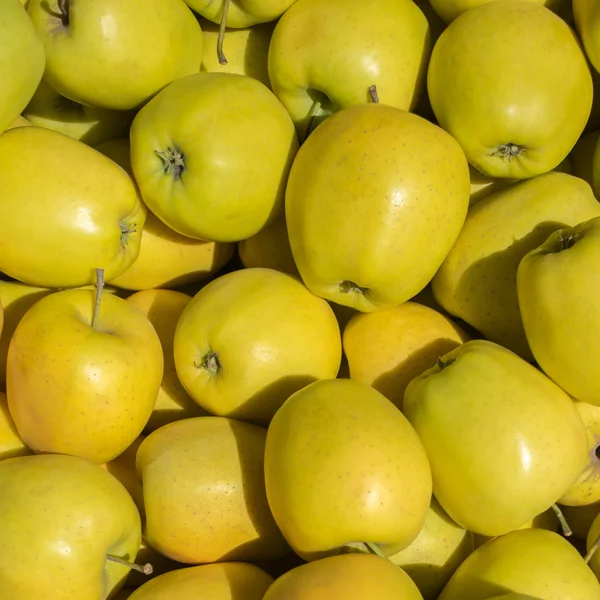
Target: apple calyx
<point>563,522</point>
<point>126,230</point>
<point>173,161</point>
<point>209,362</point>
<point>373,94</point>
<point>99,289</point>
<point>567,240</point>
<point>508,151</point>
<point>346,287</point>
<point>146,569</point>
<point>63,10</point>
<point>222,27</point>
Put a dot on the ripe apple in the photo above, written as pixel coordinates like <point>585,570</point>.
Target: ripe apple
<point>82,379</point>
<point>448,10</point>
<point>22,60</point>
<point>324,56</point>
<point>106,55</point>
<point>87,124</point>
<point>477,281</point>
<point>76,211</point>
<point>240,13</point>
<point>388,348</point>
<point>557,285</point>
<point>503,440</point>
<point>216,464</point>
<point>220,581</point>
<point>592,543</point>
<point>211,154</point>
<point>342,466</point>
<point>345,576</point>
<point>163,309</point>
<point>64,520</point>
<point>525,119</point>
<point>252,337</point>
<point>586,13</point>
<point>11,444</point>
<point>166,258</point>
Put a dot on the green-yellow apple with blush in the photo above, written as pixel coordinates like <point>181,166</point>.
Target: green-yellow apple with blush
<point>494,425</point>
<point>22,61</point>
<point>372,188</point>
<point>83,373</point>
<point>526,119</point>
<point>65,521</point>
<point>557,285</point>
<point>324,56</point>
<point>11,444</point>
<point>116,54</point>
<point>211,154</point>
<point>343,466</point>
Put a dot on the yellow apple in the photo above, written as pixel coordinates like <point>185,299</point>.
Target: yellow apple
<point>11,444</point>
<point>375,200</point>
<point>494,425</point>
<point>388,348</point>
<point>587,15</point>
<point>252,337</point>
<point>586,159</point>
<point>477,281</point>
<point>20,121</point>
<point>523,120</point>
<point>342,466</point>
<point>62,518</point>
<point>345,576</point>
<point>22,60</point>
<point>224,581</point>
<point>211,154</point>
<point>163,309</point>
<point>204,492</point>
<point>116,54</point>
<point>166,258</point>
<point>441,546</point>
<point>448,10</point>
<point>591,546</point>
<point>83,379</point>
<point>74,212</point>
<point>241,13</point>
<point>537,562</point>
<point>87,124</point>
<point>557,286</point>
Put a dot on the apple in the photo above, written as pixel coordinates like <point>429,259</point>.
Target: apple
<point>19,121</point>
<point>82,377</point>
<point>47,108</point>
<point>375,200</point>
<point>211,154</point>
<point>343,466</point>
<point>116,55</point>
<point>249,339</point>
<point>74,212</point>
<point>526,118</point>
<point>504,442</point>
<point>204,492</point>
<point>68,524</point>
<point>448,10</point>
<point>324,56</point>
<point>557,284</point>
<point>22,60</point>
<point>11,445</point>
<point>586,13</point>
<point>586,159</point>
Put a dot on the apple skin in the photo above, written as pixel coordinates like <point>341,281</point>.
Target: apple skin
<point>60,516</point>
<point>11,445</point>
<point>242,13</point>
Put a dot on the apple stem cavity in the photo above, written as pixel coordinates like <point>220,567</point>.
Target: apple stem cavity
<point>444,363</point>
<point>373,94</point>
<point>209,362</point>
<point>222,27</point>
<point>347,287</point>
<point>508,151</point>
<point>563,522</point>
<point>63,9</point>
<point>173,161</point>
<point>146,569</point>
<point>99,290</point>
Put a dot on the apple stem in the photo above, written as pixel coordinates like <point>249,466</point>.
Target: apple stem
<point>146,569</point>
<point>373,94</point>
<point>99,289</point>
<point>314,111</point>
<point>592,550</point>
<point>63,8</point>
<point>221,38</point>
<point>375,549</point>
<point>563,522</point>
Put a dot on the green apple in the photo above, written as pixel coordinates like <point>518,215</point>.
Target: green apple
<point>533,562</point>
<point>585,158</point>
<point>82,377</point>
<point>204,492</point>
<point>477,281</point>
<point>211,155</point>
<point>87,124</point>
<point>116,54</point>
<point>504,442</point>
<point>525,118</point>
<point>62,520</point>
<point>325,55</point>
<point>441,546</point>
<point>344,466</point>
<point>22,60</point>
<point>557,286</point>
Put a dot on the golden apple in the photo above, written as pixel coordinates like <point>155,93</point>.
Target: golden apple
<point>241,13</point>
<point>11,444</point>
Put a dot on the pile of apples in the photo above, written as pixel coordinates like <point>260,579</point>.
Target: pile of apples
<point>299,299</point>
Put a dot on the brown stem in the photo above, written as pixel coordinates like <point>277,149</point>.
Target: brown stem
<point>146,569</point>
<point>63,7</point>
<point>373,94</point>
<point>99,289</point>
<point>563,522</point>
<point>222,27</point>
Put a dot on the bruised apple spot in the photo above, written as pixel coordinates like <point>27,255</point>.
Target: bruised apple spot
<point>173,161</point>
